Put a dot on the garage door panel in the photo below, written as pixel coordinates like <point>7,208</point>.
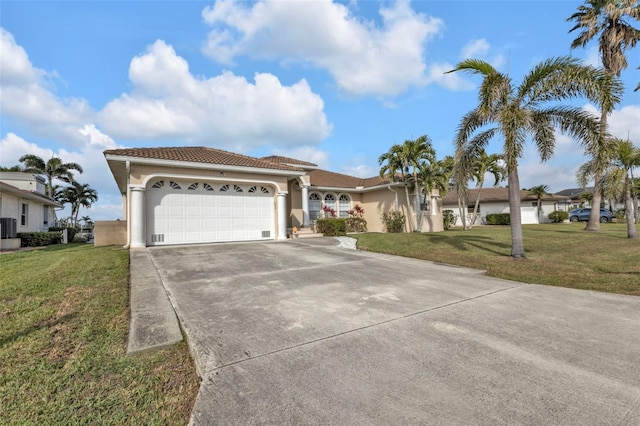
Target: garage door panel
<point>182,216</point>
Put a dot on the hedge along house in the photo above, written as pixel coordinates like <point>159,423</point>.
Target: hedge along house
<point>189,195</point>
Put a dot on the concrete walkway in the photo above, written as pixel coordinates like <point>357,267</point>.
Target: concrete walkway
<point>305,332</point>
<point>153,320</point>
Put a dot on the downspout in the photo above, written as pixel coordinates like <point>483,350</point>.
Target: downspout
<point>128,218</point>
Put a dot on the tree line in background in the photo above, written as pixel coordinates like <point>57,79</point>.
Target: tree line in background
<point>75,194</point>
<point>532,111</point>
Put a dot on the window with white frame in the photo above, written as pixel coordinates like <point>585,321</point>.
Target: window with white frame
<point>344,205</point>
<point>330,202</point>
<point>315,206</point>
<point>24,214</point>
<point>45,215</point>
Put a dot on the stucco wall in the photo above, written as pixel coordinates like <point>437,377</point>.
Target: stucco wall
<point>11,208</point>
<point>140,172</point>
<point>110,233</point>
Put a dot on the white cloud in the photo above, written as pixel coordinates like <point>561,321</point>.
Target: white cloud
<point>475,49</point>
<point>306,153</point>
<point>361,170</point>
<point>363,57</point>
<point>26,97</point>
<point>14,62</point>
<point>228,111</point>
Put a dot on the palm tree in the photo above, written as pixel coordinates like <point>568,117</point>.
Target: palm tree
<point>607,20</point>
<point>54,168</point>
<point>618,179</point>
<point>483,164</point>
<point>539,191</point>
<point>406,159</point>
<point>528,110</point>
<point>79,195</point>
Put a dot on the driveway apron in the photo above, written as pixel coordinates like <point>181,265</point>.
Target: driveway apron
<point>305,332</point>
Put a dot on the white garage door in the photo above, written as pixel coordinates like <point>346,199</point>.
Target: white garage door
<point>180,212</point>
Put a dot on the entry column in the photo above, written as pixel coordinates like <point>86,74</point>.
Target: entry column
<point>282,216</point>
<point>305,206</point>
<point>137,217</point>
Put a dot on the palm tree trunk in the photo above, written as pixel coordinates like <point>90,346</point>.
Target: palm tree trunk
<point>416,197</point>
<point>475,207</point>
<point>515,216</point>
<point>594,218</point>
<point>409,209</point>
<point>632,232</point>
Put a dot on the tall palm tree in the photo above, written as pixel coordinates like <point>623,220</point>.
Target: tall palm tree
<point>79,195</point>
<point>606,20</point>
<point>54,168</point>
<point>483,164</point>
<point>539,191</point>
<point>619,177</point>
<point>529,109</point>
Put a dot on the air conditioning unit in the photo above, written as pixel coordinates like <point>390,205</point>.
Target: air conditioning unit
<point>9,227</point>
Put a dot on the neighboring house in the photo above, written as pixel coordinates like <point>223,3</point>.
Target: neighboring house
<point>23,204</point>
<point>496,200</point>
<point>576,201</point>
<point>186,195</point>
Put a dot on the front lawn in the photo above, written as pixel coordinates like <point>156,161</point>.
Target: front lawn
<point>557,254</point>
<point>64,320</point>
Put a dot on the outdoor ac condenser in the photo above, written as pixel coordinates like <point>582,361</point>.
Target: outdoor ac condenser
<point>9,227</point>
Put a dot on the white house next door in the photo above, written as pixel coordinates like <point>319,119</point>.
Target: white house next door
<point>188,212</point>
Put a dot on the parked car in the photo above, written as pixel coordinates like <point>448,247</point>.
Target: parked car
<point>582,215</point>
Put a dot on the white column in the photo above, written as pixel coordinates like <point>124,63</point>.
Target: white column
<point>282,216</point>
<point>305,206</point>
<point>137,217</point>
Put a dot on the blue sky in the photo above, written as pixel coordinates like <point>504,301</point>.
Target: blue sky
<point>335,83</point>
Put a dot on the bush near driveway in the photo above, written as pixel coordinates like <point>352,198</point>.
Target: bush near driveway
<point>64,320</point>
<point>557,254</point>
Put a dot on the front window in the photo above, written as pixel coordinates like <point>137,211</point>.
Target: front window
<point>45,215</point>
<point>315,205</point>
<point>344,204</point>
<point>330,201</point>
<point>24,214</point>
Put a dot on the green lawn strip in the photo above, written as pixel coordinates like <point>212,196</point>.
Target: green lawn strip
<point>557,254</point>
<point>64,319</point>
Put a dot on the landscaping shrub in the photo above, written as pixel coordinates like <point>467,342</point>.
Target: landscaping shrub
<point>356,224</point>
<point>71,232</point>
<point>558,216</point>
<point>39,239</point>
<point>621,214</point>
<point>449,219</point>
<point>498,219</point>
<point>79,238</point>
<point>394,221</point>
<point>331,227</point>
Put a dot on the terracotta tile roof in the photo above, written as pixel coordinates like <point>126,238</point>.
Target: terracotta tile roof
<point>200,154</point>
<point>337,180</point>
<point>493,195</point>
<point>279,159</point>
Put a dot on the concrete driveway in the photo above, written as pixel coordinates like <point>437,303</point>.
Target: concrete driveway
<point>305,332</point>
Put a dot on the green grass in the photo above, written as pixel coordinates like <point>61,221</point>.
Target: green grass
<point>64,320</point>
<point>557,254</point>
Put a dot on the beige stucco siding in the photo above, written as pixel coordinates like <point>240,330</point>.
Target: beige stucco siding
<point>110,233</point>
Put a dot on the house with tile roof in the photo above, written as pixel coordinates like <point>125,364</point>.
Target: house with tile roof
<point>187,195</point>
<point>496,200</point>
